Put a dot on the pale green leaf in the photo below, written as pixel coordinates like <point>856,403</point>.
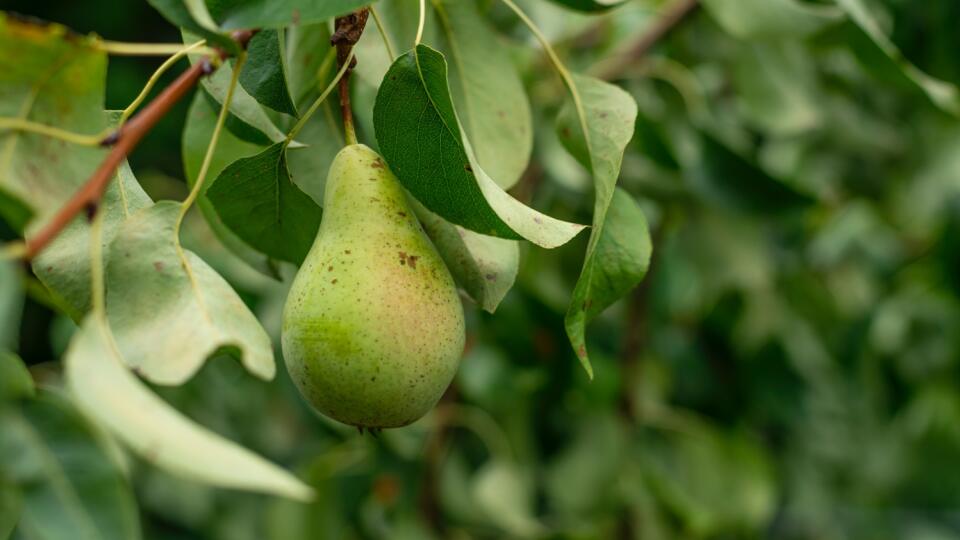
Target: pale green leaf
<point>108,392</point>
<point>772,19</point>
<point>504,493</point>
<point>154,284</point>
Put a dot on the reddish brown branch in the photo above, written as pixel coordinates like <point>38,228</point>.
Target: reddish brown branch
<point>675,14</point>
<point>349,28</point>
<point>123,141</point>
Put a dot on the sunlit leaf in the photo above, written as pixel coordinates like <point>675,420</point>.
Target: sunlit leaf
<point>154,283</point>
<point>69,485</point>
<point>108,392</point>
<point>420,137</point>
<point>619,249</point>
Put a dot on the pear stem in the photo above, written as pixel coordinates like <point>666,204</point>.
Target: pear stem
<point>349,28</point>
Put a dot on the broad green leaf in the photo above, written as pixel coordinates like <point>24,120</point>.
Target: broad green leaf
<point>307,49</point>
<point>264,74</point>
<point>201,119</point>
<point>69,483</point>
<point>488,93</point>
<point>247,113</point>
<point>616,259</point>
<point>504,493</point>
<point>776,87</point>
<point>51,76</point>
<point>11,304</point>
<point>153,283</point>
<point>590,6</point>
<point>178,12</point>
<point>725,177</point>
<point>421,138</point>
<point>108,392</point>
<point>15,379</point>
<point>256,199</point>
<point>879,53</point>
<point>236,14</point>
<point>64,266</point>
<point>485,266</point>
<point>772,19</point>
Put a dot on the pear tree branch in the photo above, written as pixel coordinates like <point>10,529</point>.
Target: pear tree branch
<point>121,143</point>
<point>349,28</point>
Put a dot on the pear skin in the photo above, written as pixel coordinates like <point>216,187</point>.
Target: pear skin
<point>373,327</point>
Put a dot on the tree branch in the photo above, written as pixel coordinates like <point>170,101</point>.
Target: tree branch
<point>675,14</point>
<point>349,28</point>
<point>122,142</point>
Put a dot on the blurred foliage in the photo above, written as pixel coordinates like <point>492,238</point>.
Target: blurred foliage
<point>788,369</point>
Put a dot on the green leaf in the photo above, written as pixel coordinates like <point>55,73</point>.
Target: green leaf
<point>247,113</point>
<point>616,260</point>
<point>153,283</point>
<point>69,483</point>
<point>108,392</point>
<point>504,493</point>
<point>879,53</point>
<point>11,506</point>
<point>201,119</point>
<point>64,266</point>
<point>488,93</point>
<point>264,73</point>
<point>255,198</point>
<point>179,14</point>
<point>772,19</point>
<point>237,14</point>
<point>589,6</point>
<point>421,139</point>
<point>727,178</point>
<point>307,48</point>
<point>15,379</point>
<point>11,304</point>
<point>776,87</point>
<point>51,76</point>
<point>485,266</point>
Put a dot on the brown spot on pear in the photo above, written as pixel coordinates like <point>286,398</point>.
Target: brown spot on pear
<point>378,349</point>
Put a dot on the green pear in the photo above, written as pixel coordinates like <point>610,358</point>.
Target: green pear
<point>373,326</point>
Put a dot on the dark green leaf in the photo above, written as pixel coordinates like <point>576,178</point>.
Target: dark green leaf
<point>617,259</point>
<point>71,486</point>
<point>590,6</point>
<point>11,305</point>
<point>264,73</point>
<point>420,137</point>
<point>15,380</point>
<point>255,198</point>
<point>728,178</point>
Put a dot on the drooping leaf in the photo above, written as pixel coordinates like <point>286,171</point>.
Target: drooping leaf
<point>420,136</point>
<point>235,14</point>
<point>108,392</point>
<point>15,380</point>
<point>256,199</point>
<point>725,177</point>
<point>201,119</point>
<point>264,74</point>
<point>178,12</point>
<point>772,19</point>
<point>64,266</point>
<point>880,54</point>
<point>154,283</point>
<point>69,484</point>
<point>590,6</point>
<point>488,93</point>
<point>485,266</point>
<point>616,259</point>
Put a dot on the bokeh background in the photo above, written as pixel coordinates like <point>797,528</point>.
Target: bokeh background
<point>788,369</point>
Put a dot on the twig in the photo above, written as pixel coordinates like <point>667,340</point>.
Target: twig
<point>675,14</point>
<point>349,28</point>
<point>123,141</point>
